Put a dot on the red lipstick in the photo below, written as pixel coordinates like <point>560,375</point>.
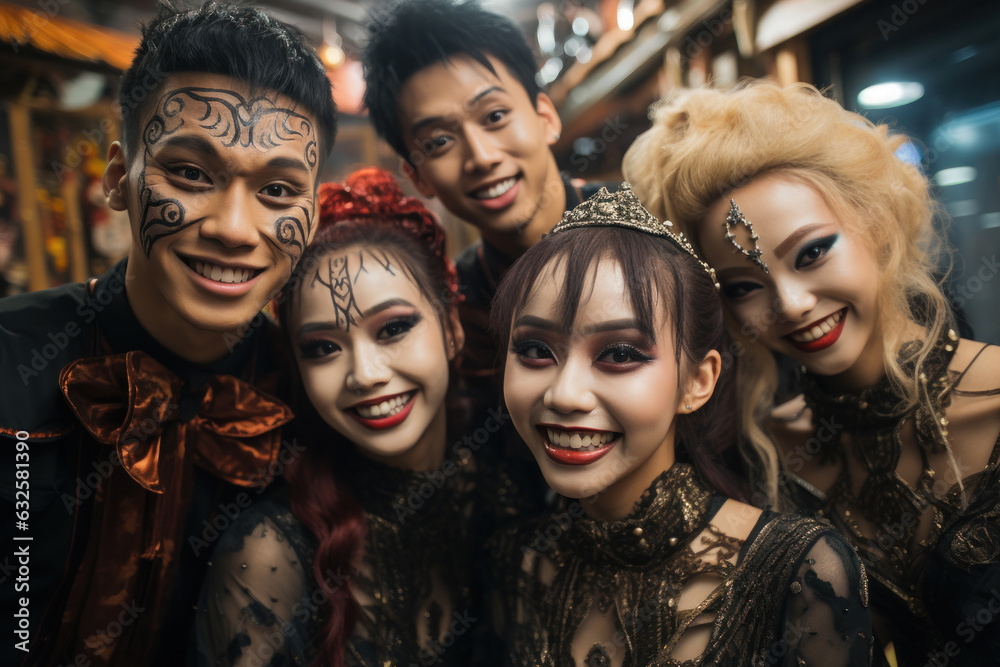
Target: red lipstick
<point>574,457</point>
<point>381,423</point>
<point>826,340</point>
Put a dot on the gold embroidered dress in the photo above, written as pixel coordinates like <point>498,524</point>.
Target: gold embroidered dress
<point>577,591</point>
<point>932,556</point>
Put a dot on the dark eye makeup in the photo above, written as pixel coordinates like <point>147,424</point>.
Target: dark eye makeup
<point>815,250</point>
<point>398,326</point>
<point>317,348</point>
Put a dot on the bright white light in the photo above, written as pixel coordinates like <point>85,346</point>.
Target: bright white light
<point>584,54</point>
<point>333,56</point>
<point>625,18</point>
<point>581,26</point>
<point>962,134</point>
<point>550,70</point>
<point>572,46</point>
<point>955,176</point>
<point>546,33</point>
<point>892,94</point>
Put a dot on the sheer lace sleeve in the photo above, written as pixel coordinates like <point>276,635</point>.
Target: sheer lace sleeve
<point>827,621</point>
<point>254,604</point>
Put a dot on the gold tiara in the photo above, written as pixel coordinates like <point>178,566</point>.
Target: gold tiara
<point>623,209</point>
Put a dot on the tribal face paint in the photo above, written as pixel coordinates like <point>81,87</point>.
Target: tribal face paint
<point>221,193</point>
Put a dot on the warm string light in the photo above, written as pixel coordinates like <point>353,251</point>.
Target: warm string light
<point>332,52</point>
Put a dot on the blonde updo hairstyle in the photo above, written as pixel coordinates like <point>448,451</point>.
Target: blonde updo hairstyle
<point>705,143</point>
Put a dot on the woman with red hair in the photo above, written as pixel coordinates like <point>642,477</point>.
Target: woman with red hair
<point>364,556</point>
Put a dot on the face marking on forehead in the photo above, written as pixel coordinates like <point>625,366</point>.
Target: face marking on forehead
<point>336,277</point>
<point>383,260</point>
<point>227,116</point>
<point>233,120</point>
<point>338,281</point>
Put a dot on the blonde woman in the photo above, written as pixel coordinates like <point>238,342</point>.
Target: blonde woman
<point>825,249</point>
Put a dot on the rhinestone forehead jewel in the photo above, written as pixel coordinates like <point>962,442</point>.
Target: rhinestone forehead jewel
<point>623,209</point>
<point>735,218</point>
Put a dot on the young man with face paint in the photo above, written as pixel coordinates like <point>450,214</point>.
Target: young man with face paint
<point>451,87</point>
<point>140,404</point>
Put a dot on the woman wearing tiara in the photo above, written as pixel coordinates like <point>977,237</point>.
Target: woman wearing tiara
<point>614,379</point>
<point>825,248</point>
<point>365,555</point>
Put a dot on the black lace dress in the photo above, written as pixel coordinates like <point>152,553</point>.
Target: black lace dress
<point>667,586</point>
<point>931,548</point>
<point>260,604</point>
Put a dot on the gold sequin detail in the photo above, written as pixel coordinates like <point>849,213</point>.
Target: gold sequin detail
<point>623,209</point>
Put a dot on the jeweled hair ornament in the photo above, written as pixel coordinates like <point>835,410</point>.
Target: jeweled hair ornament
<point>623,209</point>
<point>734,218</point>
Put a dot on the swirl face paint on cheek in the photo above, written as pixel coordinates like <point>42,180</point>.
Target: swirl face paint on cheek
<point>221,119</point>
<point>292,233</point>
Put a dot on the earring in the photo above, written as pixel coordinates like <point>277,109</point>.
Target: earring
<point>736,217</point>
<point>688,407</point>
<point>555,136</point>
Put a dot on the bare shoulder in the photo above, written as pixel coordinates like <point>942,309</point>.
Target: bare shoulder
<point>979,366</point>
<point>736,519</point>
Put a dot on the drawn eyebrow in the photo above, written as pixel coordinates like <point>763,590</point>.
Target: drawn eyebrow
<point>288,163</point>
<point>476,99</point>
<point>386,305</point>
<point>192,143</point>
<point>374,310</point>
<point>782,248</point>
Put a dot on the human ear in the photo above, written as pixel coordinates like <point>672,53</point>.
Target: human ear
<point>700,383</point>
<point>551,122</point>
<point>115,180</point>
<point>454,334</point>
<point>422,186</point>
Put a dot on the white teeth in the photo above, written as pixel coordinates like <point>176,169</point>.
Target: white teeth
<point>585,441</point>
<point>384,409</point>
<point>818,330</point>
<point>222,274</point>
<point>496,190</point>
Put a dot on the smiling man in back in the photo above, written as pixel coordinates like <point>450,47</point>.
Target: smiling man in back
<point>451,87</point>
<point>151,419</point>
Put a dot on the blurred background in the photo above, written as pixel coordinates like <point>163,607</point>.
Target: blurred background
<point>929,68</point>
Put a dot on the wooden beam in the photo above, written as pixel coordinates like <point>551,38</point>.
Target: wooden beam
<point>24,168</point>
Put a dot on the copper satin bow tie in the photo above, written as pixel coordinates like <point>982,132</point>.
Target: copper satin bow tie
<point>135,540</point>
<point>125,400</point>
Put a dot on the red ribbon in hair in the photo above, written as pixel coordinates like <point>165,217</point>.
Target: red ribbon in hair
<point>374,193</point>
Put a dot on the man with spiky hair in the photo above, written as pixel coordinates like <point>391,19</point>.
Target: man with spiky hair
<point>138,408</point>
<point>451,87</point>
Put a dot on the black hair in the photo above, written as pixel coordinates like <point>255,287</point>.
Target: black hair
<point>659,278</point>
<point>411,35</point>
<point>240,42</point>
